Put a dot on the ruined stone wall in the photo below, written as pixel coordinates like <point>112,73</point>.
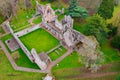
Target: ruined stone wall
<point>42,65</point>
<point>26,51</point>
<point>26,31</point>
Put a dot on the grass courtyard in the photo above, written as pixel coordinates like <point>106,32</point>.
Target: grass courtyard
<point>21,21</point>
<point>71,61</point>
<point>23,61</point>
<point>8,73</point>
<point>40,40</point>
<point>111,55</point>
<point>53,55</point>
<point>1,30</point>
<point>37,20</point>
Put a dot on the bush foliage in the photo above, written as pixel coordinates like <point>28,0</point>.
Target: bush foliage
<point>97,27</point>
<point>106,9</point>
<point>77,11</point>
<point>116,42</point>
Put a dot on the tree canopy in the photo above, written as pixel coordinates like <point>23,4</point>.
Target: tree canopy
<point>106,9</point>
<point>116,42</point>
<point>77,11</point>
<point>116,21</point>
<point>96,26</point>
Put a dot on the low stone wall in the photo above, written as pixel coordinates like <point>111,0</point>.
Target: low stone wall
<point>26,51</point>
<point>14,65</point>
<point>42,65</point>
<point>28,30</point>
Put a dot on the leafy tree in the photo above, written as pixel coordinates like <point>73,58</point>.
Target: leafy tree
<point>48,0</point>
<point>118,78</point>
<point>77,11</point>
<point>97,27</point>
<point>8,8</point>
<point>51,0</point>
<point>106,9</point>
<point>116,21</point>
<point>118,30</point>
<point>112,30</point>
<point>116,42</point>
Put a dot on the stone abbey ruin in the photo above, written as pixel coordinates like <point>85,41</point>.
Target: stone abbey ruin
<point>62,30</point>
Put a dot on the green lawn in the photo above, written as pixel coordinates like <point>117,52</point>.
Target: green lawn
<point>111,77</point>
<point>40,40</point>
<point>53,55</point>
<point>71,61</point>
<point>23,61</point>
<point>75,73</point>
<point>43,41</point>
<point>62,74</point>
<point>6,38</point>
<point>60,17</point>
<point>54,4</point>
<point>37,20</point>
<point>116,10</point>
<point>21,19</point>
<point>67,67</point>
<point>1,30</point>
<point>20,22</point>
<point>79,27</point>
<point>111,55</point>
<point>8,73</point>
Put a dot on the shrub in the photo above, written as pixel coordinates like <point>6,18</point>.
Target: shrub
<point>116,42</point>
<point>112,30</point>
<point>118,78</point>
<point>97,27</point>
<point>76,11</point>
<point>106,9</point>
